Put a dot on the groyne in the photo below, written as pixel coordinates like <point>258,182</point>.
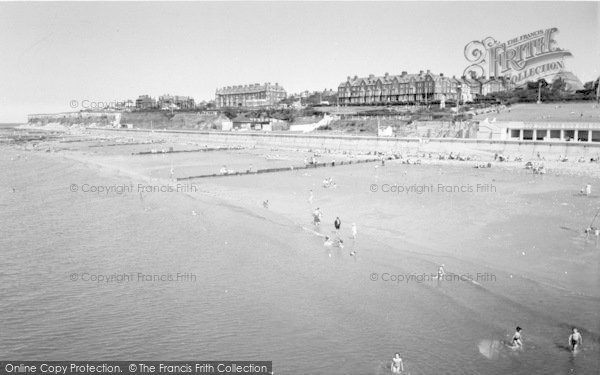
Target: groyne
<point>284,169</point>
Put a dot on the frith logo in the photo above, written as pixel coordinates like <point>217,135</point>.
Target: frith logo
<point>526,58</point>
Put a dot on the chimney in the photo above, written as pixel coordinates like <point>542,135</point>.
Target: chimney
<point>441,74</point>
<point>371,75</point>
<point>421,73</point>
<point>387,74</point>
<point>348,78</point>
<point>428,71</point>
<point>355,77</point>
<point>404,73</point>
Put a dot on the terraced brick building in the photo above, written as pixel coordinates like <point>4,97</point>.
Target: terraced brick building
<point>249,96</point>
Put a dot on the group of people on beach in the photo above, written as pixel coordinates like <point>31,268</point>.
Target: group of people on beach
<point>334,239</point>
<point>329,183</point>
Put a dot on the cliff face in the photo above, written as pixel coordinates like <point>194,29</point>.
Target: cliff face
<point>74,118</point>
<point>166,120</point>
<point>147,120</point>
<point>155,120</point>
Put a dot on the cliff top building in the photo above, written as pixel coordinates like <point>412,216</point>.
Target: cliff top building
<point>422,88</point>
<point>181,102</point>
<point>249,96</point>
<point>404,88</point>
<point>145,102</point>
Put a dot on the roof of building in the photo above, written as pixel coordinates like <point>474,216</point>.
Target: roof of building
<point>386,79</point>
<point>248,89</point>
<point>548,112</point>
<point>244,119</point>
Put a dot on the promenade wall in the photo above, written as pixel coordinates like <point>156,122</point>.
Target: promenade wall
<point>362,144</point>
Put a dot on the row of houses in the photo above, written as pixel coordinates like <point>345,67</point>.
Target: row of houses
<point>424,87</point>
<point>404,88</point>
<point>164,102</point>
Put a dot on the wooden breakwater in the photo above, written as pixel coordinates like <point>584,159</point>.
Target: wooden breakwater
<point>281,169</point>
<point>81,140</point>
<point>128,144</point>
<point>155,152</point>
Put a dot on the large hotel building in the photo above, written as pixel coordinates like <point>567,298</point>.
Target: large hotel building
<point>412,88</point>
<point>248,96</point>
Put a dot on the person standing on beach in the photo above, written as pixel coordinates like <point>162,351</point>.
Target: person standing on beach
<point>317,217</point>
<point>337,223</point>
<point>172,173</point>
<point>354,231</point>
<point>310,197</point>
<point>575,340</point>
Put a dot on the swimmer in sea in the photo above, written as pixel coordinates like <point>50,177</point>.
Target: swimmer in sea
<point>575,340</point>
<point>441,272</point>
<point>397,365</point>
<point>517,342</point>
<point>266,204</point>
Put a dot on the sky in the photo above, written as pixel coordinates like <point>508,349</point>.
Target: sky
<point>55,53</point>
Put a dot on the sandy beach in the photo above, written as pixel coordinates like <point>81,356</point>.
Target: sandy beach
<point>515,239</point>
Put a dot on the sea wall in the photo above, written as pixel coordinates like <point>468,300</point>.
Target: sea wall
<point>371,143</point>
